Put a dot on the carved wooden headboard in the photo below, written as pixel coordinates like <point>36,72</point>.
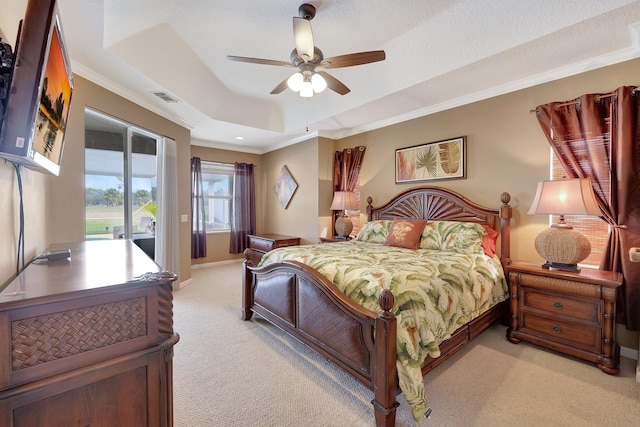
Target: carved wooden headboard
<point>437,203</point>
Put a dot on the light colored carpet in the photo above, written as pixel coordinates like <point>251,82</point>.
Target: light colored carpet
<point>228,372</point>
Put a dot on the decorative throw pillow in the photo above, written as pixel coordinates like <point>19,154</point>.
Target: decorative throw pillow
<point>405,233</point>
<point>453,236</point>
<point>489,241</point>
<point>374,231</point>
<point>430,238</point>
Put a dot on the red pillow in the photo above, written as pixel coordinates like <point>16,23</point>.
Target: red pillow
<point>405,233</point>
<point>489,241</point>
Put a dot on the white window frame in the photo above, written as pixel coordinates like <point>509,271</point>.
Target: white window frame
<point>215,168</point>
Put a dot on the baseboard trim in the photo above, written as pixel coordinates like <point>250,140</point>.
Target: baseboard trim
<point>629,353</point>
<point>177,286</point>
<point>216,263</point>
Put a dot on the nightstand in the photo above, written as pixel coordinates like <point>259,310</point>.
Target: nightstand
<point>330,239</point>
<point>569,312</point>
<point>263,243</point>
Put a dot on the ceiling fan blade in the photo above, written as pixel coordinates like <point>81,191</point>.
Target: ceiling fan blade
<point>334,84</point>
<point>259,61</point>
<point>282,86</point>
<point>303,36</point>
<point>354,59</point>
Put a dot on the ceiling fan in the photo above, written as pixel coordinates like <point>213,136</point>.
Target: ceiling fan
<point>307,57</point>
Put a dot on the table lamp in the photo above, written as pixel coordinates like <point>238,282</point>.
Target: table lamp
<point>560,245</point>
<point>342,201</point>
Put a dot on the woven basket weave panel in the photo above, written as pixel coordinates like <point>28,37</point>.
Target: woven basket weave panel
<point>54,336</point>
<point>560,285</point>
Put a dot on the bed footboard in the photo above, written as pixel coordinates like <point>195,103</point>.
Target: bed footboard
<point>307,306</point>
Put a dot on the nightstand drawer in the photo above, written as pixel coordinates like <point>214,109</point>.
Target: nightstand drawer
<point>573,312</point>
<point>287,242</point>
<point>269,242</point>
<point>588,310</point>
<point>261,244</point>
<point>590,338</point>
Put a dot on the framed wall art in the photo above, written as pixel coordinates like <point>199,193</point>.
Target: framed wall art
<point>433,161</point>
<point>285,187</point>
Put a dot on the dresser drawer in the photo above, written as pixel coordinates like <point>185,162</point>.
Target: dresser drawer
<point>585,309</point>
<point>589,338</point>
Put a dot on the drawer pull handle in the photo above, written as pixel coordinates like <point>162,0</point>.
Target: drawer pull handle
<point>557,329</point>
<point>558,305</point>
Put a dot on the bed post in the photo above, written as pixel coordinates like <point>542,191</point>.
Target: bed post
<point>505,229</point>
<point>247,281</point>
<point>369,208</point>
<point>385,374</point>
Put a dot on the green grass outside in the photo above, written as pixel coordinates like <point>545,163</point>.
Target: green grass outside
<point>102,219</point>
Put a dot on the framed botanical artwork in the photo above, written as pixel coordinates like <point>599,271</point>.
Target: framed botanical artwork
<point>285,187</point>
<point>433,161</point>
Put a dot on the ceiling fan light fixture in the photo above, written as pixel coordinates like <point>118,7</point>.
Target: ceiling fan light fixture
<point>306,91</point>
<point>295,82</point>
<point>318,83</point>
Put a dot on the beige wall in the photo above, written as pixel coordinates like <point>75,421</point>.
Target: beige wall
<point>301,217</point>
<point>326,150</point>
<point>34,183</point>
<point>218,242</point>
<point>54,206</point>
<point>307,216</point>
<point>65,198</point>
<point>35,230</point>
<point>506,150</point>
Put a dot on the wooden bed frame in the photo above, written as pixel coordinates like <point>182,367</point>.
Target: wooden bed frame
<point>310,308</point>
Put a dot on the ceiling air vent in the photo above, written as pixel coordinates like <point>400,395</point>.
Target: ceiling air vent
<point>166,97</point>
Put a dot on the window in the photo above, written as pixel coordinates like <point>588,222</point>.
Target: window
<point>217,186</point>
<point>120,178</point>
<point>593,228</point>
<point>354,216</point>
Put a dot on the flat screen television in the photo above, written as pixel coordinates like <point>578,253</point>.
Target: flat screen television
<point>39,96</point>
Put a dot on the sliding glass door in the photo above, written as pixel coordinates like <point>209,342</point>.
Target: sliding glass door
<point>120,179</point>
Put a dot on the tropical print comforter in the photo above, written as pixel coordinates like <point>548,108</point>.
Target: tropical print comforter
<point>435,292</point>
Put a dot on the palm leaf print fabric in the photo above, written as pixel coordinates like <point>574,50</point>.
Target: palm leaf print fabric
<point>435,292</point>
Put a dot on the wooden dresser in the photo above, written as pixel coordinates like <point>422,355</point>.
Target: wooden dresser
<point>263,243</point>
<point>88,341</point>
<point>573,313</point>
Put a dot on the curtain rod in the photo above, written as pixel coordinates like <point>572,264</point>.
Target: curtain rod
<point>223,163</point>
<point>597,97</point>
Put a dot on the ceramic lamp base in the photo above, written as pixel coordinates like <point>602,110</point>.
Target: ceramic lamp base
<point>344,226</point>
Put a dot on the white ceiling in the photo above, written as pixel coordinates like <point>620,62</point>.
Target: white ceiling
<point>440,54</point>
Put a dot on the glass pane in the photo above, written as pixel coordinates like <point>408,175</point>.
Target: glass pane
<point>218,214</point>
<point>593,228</point>
<point>143,184</point>
<point>104,194</point>
<point>218,191</point>
<point>109,192</point>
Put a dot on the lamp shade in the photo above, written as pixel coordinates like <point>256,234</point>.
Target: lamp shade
<point>295,82</point>
<point>318,82</point>
<point>306,90</point>
<point>560,245</point>
<point>344,200</point>
<point>565,197</point>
